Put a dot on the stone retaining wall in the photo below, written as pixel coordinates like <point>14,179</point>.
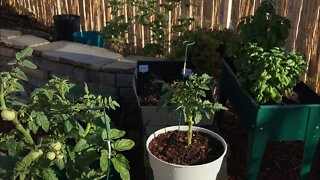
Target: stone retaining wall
<point>104,71</point>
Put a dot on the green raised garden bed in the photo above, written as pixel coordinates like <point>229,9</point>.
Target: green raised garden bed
<point>265,123</point>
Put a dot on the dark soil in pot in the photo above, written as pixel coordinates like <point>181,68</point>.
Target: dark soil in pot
<point>172,147</point>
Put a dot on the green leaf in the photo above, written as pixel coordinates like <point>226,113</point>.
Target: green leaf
<point>33,126</point>
<point>49,94</point>
<point>116,134</point>
<point>123,144</point>
<point>42,121</point>
<point>104,160</point>
<point>11,146</point>
<point>28,64</point>
<point>19,87</point>
<point>121,165</point>
<point>87,157</point>
<point>49,174</point>
<point>59,163</point>
<point>18,56</point>
<point>67,126</point>
<point>7,162</point>
<point>18,103</point>
<point>24,164</point>
<point>82,144</point>
<point>20,75</point>
<point>26,52</point>
<point>86,89</point>
<point>197,117</point>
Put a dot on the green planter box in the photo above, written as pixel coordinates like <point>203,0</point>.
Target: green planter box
<point>274,122</point>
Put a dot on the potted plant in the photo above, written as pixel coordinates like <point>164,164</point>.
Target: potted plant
<point>186,152</point>
<point>262,83</point>
<point>56,135</point>
<point>148,91</point>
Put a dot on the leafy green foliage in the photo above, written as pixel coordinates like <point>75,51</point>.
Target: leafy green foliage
<point>269,75</point>
<point>265,28</point>
<point>74,139</point>
<point>189,98</point>
<point>150,18</point>
<point>264,68</point>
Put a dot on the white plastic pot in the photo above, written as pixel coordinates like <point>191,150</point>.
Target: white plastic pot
<point>165,171</point>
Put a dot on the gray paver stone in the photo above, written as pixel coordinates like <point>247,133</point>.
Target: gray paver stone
<point>21,42</point>
<point>103,78</point>
<point>102,89</point>
<point>120,67</point>
<point>7,34</point>
<point>7,52</point>
<point>79,74</point>
<point>78,54</point>
<point>56,68</point>
<point>36,73</point>
<point>124,80</point>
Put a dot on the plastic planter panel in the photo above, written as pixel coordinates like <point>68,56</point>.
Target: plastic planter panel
<point>274,122</point>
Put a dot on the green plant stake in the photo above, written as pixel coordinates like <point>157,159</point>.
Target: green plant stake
<point>187,43</point>
<point>107,121</point>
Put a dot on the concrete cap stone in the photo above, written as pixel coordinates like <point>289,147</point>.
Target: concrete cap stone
<point>78,54</point>
<point>7,34</point>
<point>143,58</point>
<point>123,66</point>
<point>21,42</point>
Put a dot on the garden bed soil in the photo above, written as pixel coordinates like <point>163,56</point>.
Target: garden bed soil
<point>281,161</point>
<point>149,83</point>
<point>149,90</point>
<point>172,147</point>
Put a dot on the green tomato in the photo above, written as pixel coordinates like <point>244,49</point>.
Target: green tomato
<point>56,146</point>
<point>36,154</point>
<point>59,156</point>
<point>8,115</point>
<point>40,151</point>
<point>50,155</point>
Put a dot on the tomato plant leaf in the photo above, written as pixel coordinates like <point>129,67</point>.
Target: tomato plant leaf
<point>28,64</point>
<point>21,75</point>
<point>116,134</point>
<point>81,144</point>
<point>49,174</point>
<point>104,160</point>
<point>59,163</point>
<point>121,165</point>
<point>123,144</point>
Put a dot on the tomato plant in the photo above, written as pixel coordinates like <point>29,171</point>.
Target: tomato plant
<point>189,98</point>
<point>78,142</point>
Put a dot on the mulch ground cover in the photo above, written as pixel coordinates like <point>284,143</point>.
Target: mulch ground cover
<point>281,160</point>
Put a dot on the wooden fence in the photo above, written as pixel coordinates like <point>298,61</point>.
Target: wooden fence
<point>304,15</point>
